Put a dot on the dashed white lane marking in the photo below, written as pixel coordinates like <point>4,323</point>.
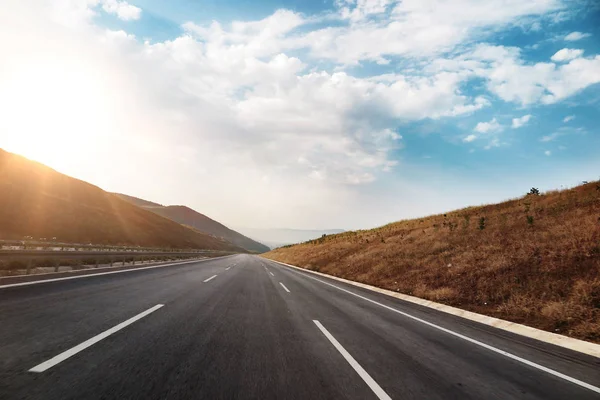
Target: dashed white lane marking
<point>271,273</point>
<point>379,392</point>
<point>468,339</point>
<point>286,289</point>
<point>80,347</point>
<point>226,269</point>
<point>210,279</point>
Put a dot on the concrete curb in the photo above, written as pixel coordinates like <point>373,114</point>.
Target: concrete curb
<point>523,330</point>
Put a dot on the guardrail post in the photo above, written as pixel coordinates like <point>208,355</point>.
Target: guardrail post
<point>123,264</point>
<point>56,265</point>
<point>29,262</point>
<point>133,259</point>
<point>96,262</point>
<point>111,261</point>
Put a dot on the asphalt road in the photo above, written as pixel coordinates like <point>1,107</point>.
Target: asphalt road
<point>242,327</point>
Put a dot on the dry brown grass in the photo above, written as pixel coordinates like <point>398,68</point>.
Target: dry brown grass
<point>543,271</point>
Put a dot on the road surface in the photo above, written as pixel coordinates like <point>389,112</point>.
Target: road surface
<point>242,327</point>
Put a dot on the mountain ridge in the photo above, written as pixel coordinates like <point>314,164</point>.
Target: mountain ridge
<point>38,201</point>
<point>187,216</point>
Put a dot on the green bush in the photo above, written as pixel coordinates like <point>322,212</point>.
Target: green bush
<point>530,220</point>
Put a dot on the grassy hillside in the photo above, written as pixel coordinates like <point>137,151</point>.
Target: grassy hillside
<point>200,222</point>
<point>37,201</point>
<point>533,260</point>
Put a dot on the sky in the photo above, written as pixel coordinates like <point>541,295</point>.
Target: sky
<point>306,114</point>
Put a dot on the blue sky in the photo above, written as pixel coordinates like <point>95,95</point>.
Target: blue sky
<point>308,114</point>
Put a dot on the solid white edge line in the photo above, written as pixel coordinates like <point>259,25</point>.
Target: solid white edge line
<point>67,278</point>
<point>210,279</point>
<point>468,339</point>
<point>80,347</point>
<point>379,392</point>
<point>286,289</point>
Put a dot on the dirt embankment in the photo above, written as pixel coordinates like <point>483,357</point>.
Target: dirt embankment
<point>534,260</point>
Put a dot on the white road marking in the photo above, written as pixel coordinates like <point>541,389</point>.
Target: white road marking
<point>211,278</point>
<point>226,269</point>
<point>286,289</point>
<point>379,392</point>
<point>468,339</point>
<point>271,273</point>
<point>80,347</point>
<point>66,278</point>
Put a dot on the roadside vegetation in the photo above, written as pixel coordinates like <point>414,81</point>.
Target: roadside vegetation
<point>533,260</point>
<point>43,266</point>
<point>9,268</point>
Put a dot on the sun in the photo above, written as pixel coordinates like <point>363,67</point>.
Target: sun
<point>52,111</point>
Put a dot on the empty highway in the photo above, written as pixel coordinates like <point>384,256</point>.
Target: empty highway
<point>242,327</point>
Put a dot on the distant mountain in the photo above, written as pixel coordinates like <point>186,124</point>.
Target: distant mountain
<point>38,201</point>
<point>281,237</point>
<point>138,202</point>
<point>200,222</point>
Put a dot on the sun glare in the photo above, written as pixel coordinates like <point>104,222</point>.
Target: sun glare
<point>54,111</point>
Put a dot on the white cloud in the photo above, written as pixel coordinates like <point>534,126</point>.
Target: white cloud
<point>566,55</point>
<point>568,118</point>
<point>414,28</point>
<point>495,142</point>
<point>492,126</point>
<point>548,152</point>
<point>574,36</point>
<point>522,121</point>
<point>513,80</point>
<point>266,106</point>
<point>562,131</point>
<point>122,9</point>
<point>362,9</point>
<point>550,138</point>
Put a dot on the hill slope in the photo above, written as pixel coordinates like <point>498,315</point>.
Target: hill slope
<point>38,201</point>
<point>186,216</point>
<point>533,260</point>
<point>137,202</point>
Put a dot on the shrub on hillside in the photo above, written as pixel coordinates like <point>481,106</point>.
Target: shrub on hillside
<point>482,223</point>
